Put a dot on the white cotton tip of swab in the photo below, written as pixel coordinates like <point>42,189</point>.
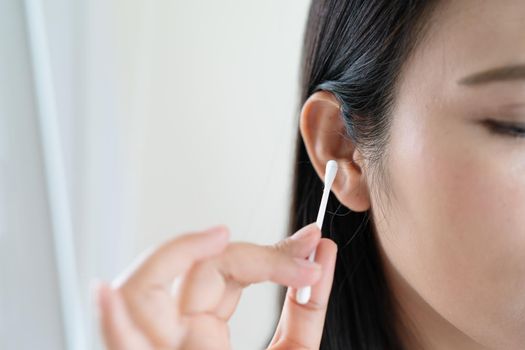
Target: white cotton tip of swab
<point>303,294</point>
<point>331,170</point>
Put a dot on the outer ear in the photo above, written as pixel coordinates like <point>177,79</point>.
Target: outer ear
<point>323,132</point>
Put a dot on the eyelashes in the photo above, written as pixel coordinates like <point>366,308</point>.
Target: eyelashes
<point>504,128</point>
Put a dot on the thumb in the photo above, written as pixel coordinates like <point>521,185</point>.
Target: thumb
<point>302,325</point>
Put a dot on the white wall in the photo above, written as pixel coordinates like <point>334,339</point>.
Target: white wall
<point>30,315</point>
<point>221,90</point>
<point>176,115</point>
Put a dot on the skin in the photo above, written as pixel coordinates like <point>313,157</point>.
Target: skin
<point>451,236</point>
<point>181,294</point>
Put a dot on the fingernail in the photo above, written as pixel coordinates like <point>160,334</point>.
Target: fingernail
<point>302,233</point>
<point>307,263</point>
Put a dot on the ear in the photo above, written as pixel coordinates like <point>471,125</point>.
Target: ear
<point>324,135</point>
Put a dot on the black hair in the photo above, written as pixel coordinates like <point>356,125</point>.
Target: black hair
<point>355,49</point>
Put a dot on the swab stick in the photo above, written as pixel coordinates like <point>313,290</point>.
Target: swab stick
<point>303,294</point>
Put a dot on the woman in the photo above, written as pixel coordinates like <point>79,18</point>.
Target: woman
<point>422,104</point>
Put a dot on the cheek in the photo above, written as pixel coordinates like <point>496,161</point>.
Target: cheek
<point>456,227</point>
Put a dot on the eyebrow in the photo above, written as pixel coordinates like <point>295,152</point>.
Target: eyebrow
<point>506,73</point>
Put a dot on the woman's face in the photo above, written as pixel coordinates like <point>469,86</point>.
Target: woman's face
<point>454,234</point>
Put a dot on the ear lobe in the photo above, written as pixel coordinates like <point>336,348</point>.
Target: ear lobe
<point>352,189</point>
<point>324,135</point>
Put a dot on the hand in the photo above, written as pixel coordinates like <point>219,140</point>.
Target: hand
<point>145,309</point>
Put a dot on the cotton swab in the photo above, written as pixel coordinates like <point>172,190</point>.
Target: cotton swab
<point>303,294</point>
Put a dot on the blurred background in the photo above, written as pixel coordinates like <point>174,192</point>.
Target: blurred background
<point>124,123</point>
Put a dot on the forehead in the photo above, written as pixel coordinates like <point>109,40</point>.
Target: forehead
<point>465,37</point>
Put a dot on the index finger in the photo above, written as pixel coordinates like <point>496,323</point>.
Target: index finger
<point>162,264</point>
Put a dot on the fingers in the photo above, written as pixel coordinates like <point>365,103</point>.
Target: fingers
<point>215,285</point>
<point>206,332</point>
<point>160,265</point>
<point>309,233</point>
<point>140,308</point>
<point>146,289</point>
<point>117,328</point>
<point>248,263</point>
<point>201,290</point>
<point>303,324</point>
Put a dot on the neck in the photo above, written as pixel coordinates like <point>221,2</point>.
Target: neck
<point>419,325</point>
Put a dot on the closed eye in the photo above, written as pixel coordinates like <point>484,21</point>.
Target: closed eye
<point>505,128</point>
